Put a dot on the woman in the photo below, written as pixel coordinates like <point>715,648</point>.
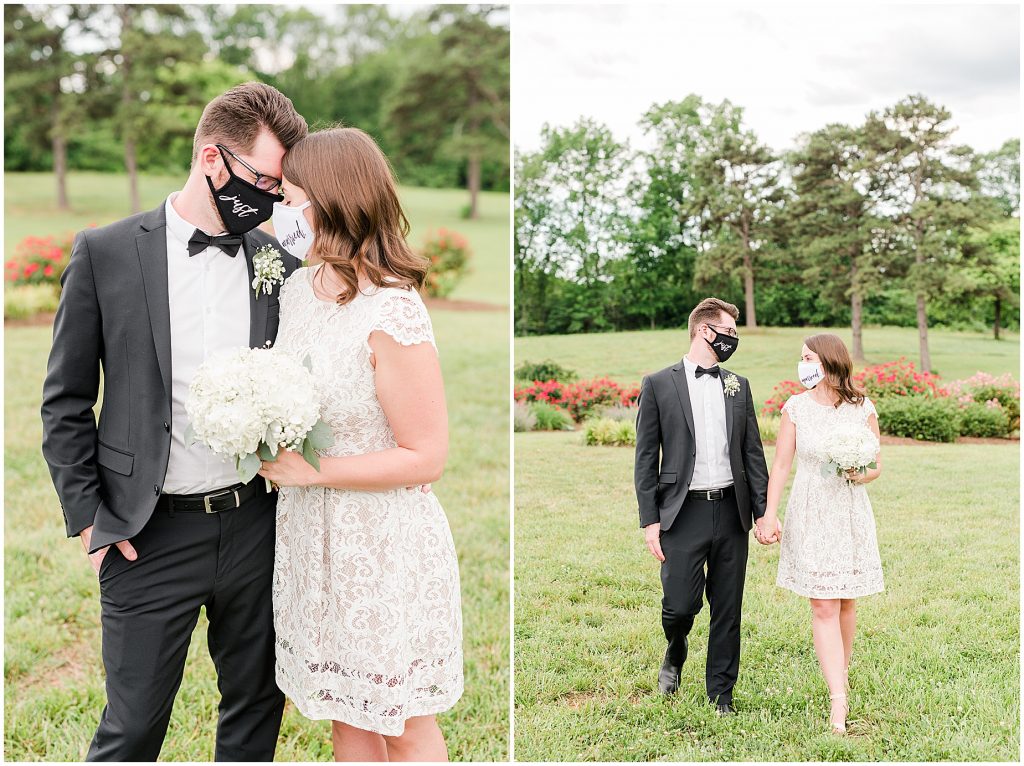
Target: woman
<point>366,582</point>
<point>829,551</point>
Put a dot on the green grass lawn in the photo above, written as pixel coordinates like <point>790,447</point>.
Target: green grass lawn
<point>53,672</point>
<point>935,670</point>
<point>103,197</point>
<point>766,355</point>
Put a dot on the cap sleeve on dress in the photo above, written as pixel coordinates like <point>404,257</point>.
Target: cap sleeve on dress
<point>868,409</point>
<point>791,406</point>
<point>402,315</point>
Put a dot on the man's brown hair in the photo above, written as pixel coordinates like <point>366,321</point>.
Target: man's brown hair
<point>710,310</point>
<point>236,118</point>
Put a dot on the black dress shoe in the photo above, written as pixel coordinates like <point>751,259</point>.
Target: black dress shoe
<point>725,708</point>
<point>668,676</point>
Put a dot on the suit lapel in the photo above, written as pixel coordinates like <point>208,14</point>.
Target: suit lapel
<point>683,392</point>
<point>730,402</point>
<point>258,309</point>
<point>152,251</point>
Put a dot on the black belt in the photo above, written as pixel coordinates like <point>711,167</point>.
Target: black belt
<point>711,494</point>
<point>219,500</point>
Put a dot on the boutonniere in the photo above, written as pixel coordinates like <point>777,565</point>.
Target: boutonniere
<point>731,384</point>
<point>268,270</point>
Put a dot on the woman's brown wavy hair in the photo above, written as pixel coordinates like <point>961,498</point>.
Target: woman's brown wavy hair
<point>359,224</point>
<point>837,366</point>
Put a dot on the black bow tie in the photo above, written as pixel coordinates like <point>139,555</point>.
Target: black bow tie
<point>200,240</point>
<point>709,371</point>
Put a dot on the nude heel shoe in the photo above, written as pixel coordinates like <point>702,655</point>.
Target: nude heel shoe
<point>838,723</point>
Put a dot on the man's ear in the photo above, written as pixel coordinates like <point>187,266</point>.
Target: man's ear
<point>210,161</point>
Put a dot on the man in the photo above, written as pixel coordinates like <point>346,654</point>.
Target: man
<point>700,476</point>
<point>167,526</point>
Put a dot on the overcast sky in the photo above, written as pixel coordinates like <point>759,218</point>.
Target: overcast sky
<point>793,69</point>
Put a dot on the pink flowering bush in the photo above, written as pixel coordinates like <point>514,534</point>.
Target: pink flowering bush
<point>898,378</point>
<point>580,399</point>
<point>994,392</point>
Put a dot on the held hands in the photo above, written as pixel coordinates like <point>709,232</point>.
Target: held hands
<point>97,558</point>
<point>767,529</point>
<point>652,536</point>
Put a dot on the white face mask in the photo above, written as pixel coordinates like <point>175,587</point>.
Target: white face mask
<point>810,373</point>
<point>292,229</point>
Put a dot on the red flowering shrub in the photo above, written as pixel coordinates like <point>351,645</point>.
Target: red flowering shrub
<point>898,378</point>
<point>580,399</point>
<point>448,253</point>
<point>780,395</point>
<point>39,260</point>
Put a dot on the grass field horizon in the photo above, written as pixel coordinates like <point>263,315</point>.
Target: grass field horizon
<point>53,671</point>
<point>767,355</point>
<point>100,198</point>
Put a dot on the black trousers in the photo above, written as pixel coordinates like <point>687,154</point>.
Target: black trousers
<point>225,562</point>
<point>706,532</point>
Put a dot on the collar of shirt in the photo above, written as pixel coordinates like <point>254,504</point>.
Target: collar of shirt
<point>178,226</point>
<point>691,369</point>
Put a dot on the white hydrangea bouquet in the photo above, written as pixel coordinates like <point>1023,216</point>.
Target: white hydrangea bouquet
<point>849,447</point>
<point>239,408</point>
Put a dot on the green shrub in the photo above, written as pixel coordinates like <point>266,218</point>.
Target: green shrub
<point>546,370</point>
<point>983,420</point>
<point>768,425</point>
<point>609,433</point>
<point>918,417</point>
<point>24,301</point>
<point>617,412</point>
<point>548,417</point>
<point>522,418</point>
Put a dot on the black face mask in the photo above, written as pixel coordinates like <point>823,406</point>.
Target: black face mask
<point>242,205</point>
<point>723,345</point>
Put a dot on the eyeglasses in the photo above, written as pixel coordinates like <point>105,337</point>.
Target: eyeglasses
<point>728,330</point>
<point>263,181</point>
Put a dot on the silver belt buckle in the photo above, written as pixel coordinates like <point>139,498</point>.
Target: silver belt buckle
<point>206,499</point>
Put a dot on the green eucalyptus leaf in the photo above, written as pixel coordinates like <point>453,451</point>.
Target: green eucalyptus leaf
<point>248,467</point>
<point>190,435</point>
<point>309,453</point>
<point>264,453</point>
<point>320,436</point>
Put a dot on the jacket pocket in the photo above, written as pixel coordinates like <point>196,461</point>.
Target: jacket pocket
<point>667,477</point>
<point>116,460</point>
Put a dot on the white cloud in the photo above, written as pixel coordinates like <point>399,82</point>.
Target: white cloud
<point>793,69</point>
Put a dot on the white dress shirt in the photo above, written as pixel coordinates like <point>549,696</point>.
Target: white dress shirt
<point>711,469</point>
<point>209,303</point>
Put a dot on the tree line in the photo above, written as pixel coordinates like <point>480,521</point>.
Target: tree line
<point>120,87</point>
<point>886,222</point>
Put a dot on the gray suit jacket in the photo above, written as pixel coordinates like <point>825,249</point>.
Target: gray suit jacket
<point>666,451</point>
<point>114,315</point>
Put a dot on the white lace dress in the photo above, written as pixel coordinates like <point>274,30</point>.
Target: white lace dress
<point>829,548</point>
<point>366,584</point>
